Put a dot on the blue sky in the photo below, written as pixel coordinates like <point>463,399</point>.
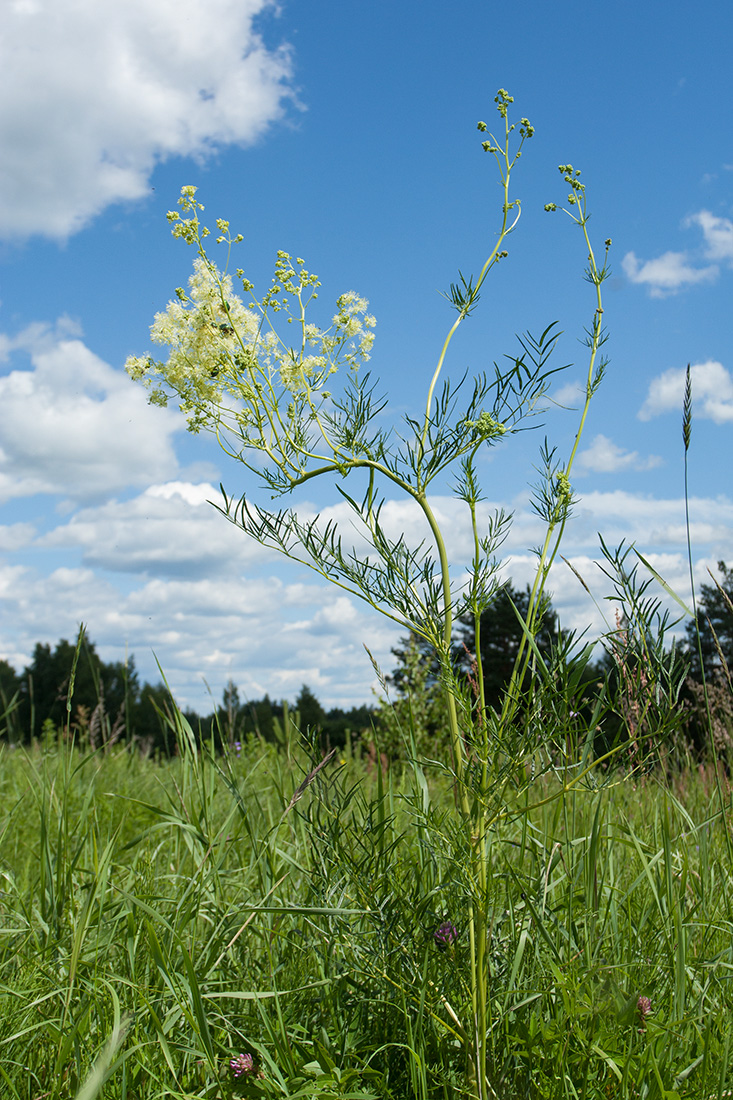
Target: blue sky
<point>345,134</point>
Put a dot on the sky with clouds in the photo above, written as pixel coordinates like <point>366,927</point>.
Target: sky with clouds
<point>346,134</point>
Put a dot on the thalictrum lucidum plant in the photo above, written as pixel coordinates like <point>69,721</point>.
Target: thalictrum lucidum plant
<point>292,400</point>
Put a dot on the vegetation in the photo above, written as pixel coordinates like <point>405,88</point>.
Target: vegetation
<point>106,704</point>
<point>710,632</point>
<point>529,894</point>
<point>163,922</point>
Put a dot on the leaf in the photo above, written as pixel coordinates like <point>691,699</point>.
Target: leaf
<point>670,591</point>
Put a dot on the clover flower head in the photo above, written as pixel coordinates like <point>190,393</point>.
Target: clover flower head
<point>241,1065</point>
<point>445,935</point>
<point>644,1006</point>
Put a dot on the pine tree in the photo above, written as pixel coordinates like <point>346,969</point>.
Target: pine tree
<point>715,624</point>
<point>501,637</point>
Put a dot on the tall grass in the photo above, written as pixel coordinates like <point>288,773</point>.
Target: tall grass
<point>161,919</point>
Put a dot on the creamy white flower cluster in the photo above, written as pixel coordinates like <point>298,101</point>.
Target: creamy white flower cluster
<point>211,336</point>
<point>228,365</point>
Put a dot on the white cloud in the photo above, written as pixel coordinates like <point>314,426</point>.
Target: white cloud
<point>718,234</point>
<point>654,525</point>
<point>73,425</point>
<point>92,95</point>
<point>211,604</point>
<point>674,270</point>
<point>265,634</point>
<point>16,536</point>
<point>603,456</point>
<point>712,392</point>
<point>667,274</point>
<point>571,395</point>
<point>168,530</point>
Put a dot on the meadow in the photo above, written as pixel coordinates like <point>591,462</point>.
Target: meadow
<point>528,895</point>
<point>263,923</point>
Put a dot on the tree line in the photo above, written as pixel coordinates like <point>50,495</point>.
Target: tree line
<point>102,703</point>
<point>107,702</point>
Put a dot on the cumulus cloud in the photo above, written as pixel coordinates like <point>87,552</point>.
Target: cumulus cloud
<point>673,271</point>
<point>571,395</point>
<point>16,536</point>
<point>603,456</point>
<point>654,525</point>
<point>264,633</point>
<point>712,392</point>
<point>169,530</point>
<point>73,425</point>
<point>718,235</point>
<point>93,95</point>
<point>165,574</point>
<point>667,274</point>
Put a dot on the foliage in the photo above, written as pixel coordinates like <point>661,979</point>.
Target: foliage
<point>234,722</point>
<point>413,720</point>
<point>160,921</point>
<point>109,703</point>
<point>714,626</point>
<point>45,685</point>
<point>500,638</point>
<point>645,668</point>
<point>269,400</point>
<point>414,711</point>
<point>708,694</point>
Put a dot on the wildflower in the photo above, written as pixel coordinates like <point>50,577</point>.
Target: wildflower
<point>644,1006</point>
<point>241,1065</point>
<point>237,747</point>
<point>445,935</point>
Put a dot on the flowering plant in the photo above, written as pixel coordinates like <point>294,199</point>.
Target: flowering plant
<point>268,401</point>
<point>292,410</point>
<point>241,1065</point>
<point>445,935</point>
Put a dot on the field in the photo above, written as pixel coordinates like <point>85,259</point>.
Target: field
<point>251,924</point>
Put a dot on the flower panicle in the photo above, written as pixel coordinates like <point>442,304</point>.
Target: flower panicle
<point>227,363</point>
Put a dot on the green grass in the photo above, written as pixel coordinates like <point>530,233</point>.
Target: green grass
<point>158,919</point>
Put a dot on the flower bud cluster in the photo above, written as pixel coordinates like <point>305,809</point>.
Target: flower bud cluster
<point>188,228</point>
<point>526,129</point>
<point>571,178</point>
<point>563,490</point>
<point>502,99</point>
<point>486,427</point>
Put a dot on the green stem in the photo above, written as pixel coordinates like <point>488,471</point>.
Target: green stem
<point>455,733</point>
<point>472,298</point>
<point>559,518</point>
